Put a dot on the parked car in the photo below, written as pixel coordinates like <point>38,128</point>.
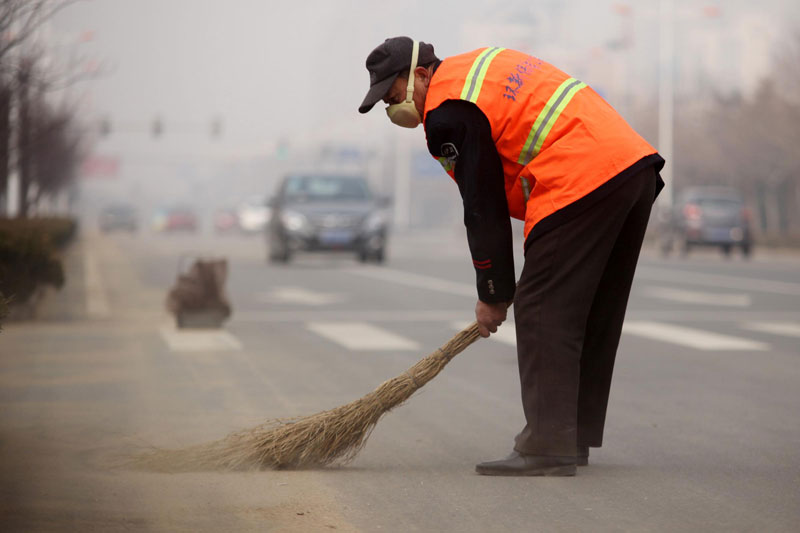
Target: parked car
<point>253,215</point>
<point>708,216</point>
<point>225,220</point>
<point>176,218</point>
<point>118,217</point>
<point>327,212</point>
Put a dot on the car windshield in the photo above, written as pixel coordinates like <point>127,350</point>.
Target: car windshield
<point>326,188</point>
<point>719,203</point>
<point>180,211</point>
<point>119,209</point>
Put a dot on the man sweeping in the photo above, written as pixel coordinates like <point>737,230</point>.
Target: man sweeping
<point>523,139</point>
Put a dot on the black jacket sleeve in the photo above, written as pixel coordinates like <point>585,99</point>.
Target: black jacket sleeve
<point>460,132</point>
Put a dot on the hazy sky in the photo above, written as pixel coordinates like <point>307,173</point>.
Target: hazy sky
<point>296,69</point>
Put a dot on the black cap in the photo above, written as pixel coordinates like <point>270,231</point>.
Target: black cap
<point>387,61</point>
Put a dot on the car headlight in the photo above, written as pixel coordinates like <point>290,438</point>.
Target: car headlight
<point>294,221</point>
<point>374,221</point>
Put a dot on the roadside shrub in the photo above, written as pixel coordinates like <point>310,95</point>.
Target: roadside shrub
<point>3,309</point>
<point>28,255</point>
<point>59,231</point>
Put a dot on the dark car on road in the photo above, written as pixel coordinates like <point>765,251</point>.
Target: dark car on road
<point>327,212</point>
<point>118,217</point>
<point>708,216</point>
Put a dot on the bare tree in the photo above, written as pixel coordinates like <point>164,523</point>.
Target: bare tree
<point>750,143</point>
<point>787,63</point>
<point>56,149</point>
<point>22,80</point>
<point>19,19</point>
<point>5,134</point>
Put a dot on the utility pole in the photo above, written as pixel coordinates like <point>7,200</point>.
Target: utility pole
<point>402,180</point>
<point>666,95</point>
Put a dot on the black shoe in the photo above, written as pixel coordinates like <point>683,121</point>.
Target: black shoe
<point>517,464</point>
<point>582,458</point>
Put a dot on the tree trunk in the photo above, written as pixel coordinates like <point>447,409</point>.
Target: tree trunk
<point>5,137</point>
<point>23,144</point>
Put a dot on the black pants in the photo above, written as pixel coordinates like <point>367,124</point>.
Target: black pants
<point>569,308</point>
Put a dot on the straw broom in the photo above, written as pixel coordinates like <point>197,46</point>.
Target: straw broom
<point>311,441</point>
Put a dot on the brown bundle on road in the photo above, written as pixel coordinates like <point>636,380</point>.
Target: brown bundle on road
<point>201,288</point>
<point>311,441</point>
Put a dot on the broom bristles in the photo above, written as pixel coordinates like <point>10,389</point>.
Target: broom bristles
<point>336,435</point>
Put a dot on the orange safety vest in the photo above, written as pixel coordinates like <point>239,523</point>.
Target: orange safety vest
<point>558,139</point>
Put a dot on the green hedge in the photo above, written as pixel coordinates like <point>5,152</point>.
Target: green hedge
<point>58,231</point>
<point>3,309</point>
<point>28,257</point>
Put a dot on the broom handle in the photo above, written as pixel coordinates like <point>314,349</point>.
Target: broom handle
<point>460,341</point>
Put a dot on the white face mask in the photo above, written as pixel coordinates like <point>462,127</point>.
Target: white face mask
<point>405,113</point>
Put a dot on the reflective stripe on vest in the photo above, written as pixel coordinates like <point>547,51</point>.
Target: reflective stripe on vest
<point>474,81</point>
<point>547,117</point>
<point>446,163</point>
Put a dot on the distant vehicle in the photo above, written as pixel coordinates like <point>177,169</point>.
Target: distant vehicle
<point>225,220</point>
<point>177,218</point>
<point>324,212</point>
<point>708,216</point>
<point>118,217</point>
<point>253,215</point>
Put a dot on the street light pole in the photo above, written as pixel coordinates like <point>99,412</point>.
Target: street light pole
<point>402,180</point>
<point>666,95</point>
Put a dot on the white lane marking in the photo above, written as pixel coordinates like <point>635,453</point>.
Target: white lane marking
<point>693,338</point>
<point>788,329</point>
<point>719,280</point>
<point>199,340</point>
<point>371,315</point>
<point>453,315</point>
<point>300,295</point>
<point>506,333</point>
<point>417,281</point>
<point>96,300</point>
<point>699,298</point>
<point>361,336</point>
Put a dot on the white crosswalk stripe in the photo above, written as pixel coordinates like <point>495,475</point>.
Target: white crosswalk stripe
<point>691,337</point>
<point>199,340</point>
<point>699,298</point>
<point>361,336</point>
<point>786,329</point>
<point>300,295</point>
<point>718,280</point>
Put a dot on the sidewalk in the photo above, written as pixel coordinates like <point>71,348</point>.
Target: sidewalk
<point>91,382</point>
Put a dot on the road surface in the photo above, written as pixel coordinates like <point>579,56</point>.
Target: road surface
<point>702,432</point>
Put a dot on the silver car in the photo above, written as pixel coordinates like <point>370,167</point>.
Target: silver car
<point>327,212</point>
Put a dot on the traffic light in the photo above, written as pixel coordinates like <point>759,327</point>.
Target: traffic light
<point>105,127</point>
<point>216,128</point>
<point>157,127</point>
